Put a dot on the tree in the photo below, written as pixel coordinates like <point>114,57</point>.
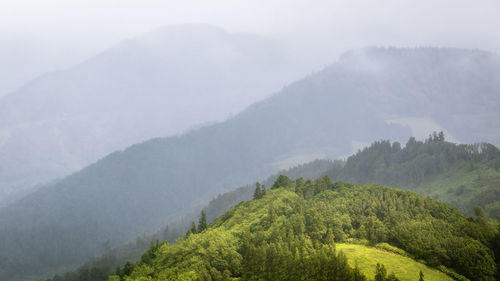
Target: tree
<point>481,217</point>
<point>191,230</point>
<point>258,191</point>
<point>441,136</point>
<point>380,273</point>
<point>202,223</point>
<point>421,274</point>
<point>282,181</point>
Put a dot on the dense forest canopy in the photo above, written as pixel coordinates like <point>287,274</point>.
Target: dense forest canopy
<point>290,231</point>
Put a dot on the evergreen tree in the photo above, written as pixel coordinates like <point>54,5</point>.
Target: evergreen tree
<point>380,273</point>
<point>441,136</point>
<point>421,276</point>
<point>258,191</point>
<point>282,181</point>
<point>191,230</point>
<point>202,223</point>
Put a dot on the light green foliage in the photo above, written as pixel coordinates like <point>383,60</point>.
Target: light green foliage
<point>405,268</point>
<point>288,234</point>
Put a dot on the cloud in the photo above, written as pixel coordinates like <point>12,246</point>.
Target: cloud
<point>316,31</point>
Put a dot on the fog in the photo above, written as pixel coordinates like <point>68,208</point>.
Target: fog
<point>41,36</point>
<point>88,77</point>
<point>117,115</point>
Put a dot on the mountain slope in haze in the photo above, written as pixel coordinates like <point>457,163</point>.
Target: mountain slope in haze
<point>158,84</point>
<point>134,190</point>
<point>279,235</point>
<point>460,175</point>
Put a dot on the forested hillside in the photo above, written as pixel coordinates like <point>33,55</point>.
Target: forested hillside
<point>461,175</point>
<point>289,233</point>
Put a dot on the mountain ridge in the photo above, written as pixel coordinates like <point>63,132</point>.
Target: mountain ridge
<point>139,89</point>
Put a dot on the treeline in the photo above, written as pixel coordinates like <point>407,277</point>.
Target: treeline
<point>290,232</point>
<point>225,201</point>
<point>387,163</point>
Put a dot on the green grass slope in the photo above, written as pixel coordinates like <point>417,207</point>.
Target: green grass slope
<point>466,185</point>
<point>405,268</point>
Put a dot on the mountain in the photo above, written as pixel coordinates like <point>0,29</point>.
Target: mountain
<point>290,232</point>
<point>158,84</point>
<point>355,100</point>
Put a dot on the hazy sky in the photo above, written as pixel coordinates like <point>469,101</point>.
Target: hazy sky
<point>39,36</point>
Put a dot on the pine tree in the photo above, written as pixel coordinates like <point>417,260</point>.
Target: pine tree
<point>380,273</point>
<point>191,230</point>
<point>258,191</point>
<point>421,274</point>
<point>441,136</point>
<point>202,223</point>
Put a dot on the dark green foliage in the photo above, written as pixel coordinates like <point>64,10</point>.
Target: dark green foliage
<point>259,191</point>
<point>388,164</point>
<point>285,259</point>
<point>191,230</point>
<point>419,164</point>
<point>202,223</point>
<point>380,273</point>
<point>282,181</point>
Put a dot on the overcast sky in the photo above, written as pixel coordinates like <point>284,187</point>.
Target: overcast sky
<point>39,36</point>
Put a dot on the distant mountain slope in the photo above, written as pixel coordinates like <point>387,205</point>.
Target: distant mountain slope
<point>157,84</point>
<point>462,175</point>
<point>132,191</point>
<point>280,235</point>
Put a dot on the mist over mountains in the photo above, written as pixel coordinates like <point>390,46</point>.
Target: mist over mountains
<point>158,84</point>
<point>367,95</point>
